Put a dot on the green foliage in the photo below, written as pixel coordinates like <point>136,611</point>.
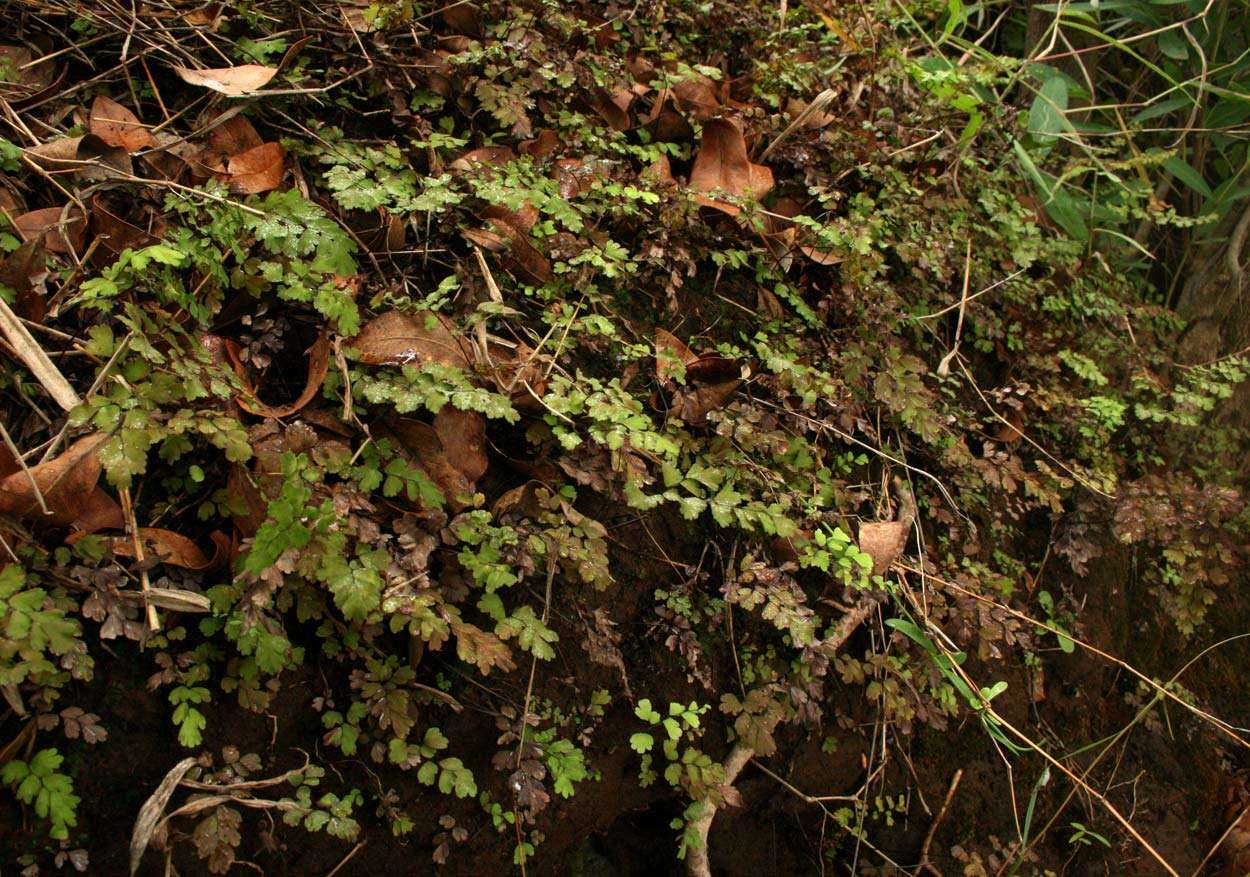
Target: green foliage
<point>40,784</point>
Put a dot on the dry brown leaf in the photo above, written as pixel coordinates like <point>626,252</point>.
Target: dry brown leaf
<point>232,81</point>
<point>87,156</point>
<point>29,82</point>
<point>23,271</point>
<point>318,366</point>
<point>258,170</point>
<point>166,546</point>
<point>116,234</point>
<point>463,436</point>
<point>531,265</point>
<point>100,512</point>
<point>65,482</point>
<point>697,95</point>
<point>118,126</point>
<point>396,338</point>
<point>422,444</point>
<point>614,109</point>
<point>484,155</point>
<point>542,146</point>
<point>722,165</point>
<point>671,356</point>
<point>666,124</point>
<point>693,404</point>
<point>883,541</point>
<point>58,235</point>
<point>150,812</point>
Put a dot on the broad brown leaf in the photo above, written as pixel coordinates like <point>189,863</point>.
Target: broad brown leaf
<point>722,165</point>
<point>463,436</point>
<point>66,483</point>
<point>118,126</point>
<point>318,366</point>
<point>58,235</point>
<point>260,169</point>
<point>396,338</point>
<point>233,81</point>
<point>883,541</point>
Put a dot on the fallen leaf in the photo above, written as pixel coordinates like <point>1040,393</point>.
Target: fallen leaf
<point>100,512</point>
<point>671,356</point>
<point>172,548</point>
<point>613,109</point>
<point>318,366</point>
<point>666,124</point>
<point>463,436</point>
<point>257,170</point>
<point>65,482</point>
<point>89,157</point>
<point>484,155</point>
<point>61,231</point>
<point>226,139</point>
<point>421,442</point>
<point>693,404</point>
<point>23,271</point>
<point>531,265</point>
<point>696,94</point>
<point>29,82</point>
<point>542,146</point>
<point>722,165</point>
<point>396,338</point>
<point>116,234</point>
<point>118,126</point>
<point>232,81</point>
<point>883,541</point>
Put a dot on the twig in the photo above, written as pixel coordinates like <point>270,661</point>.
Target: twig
<point>925,864</point>
<point>944,367</point>
<point>350,854</point>
<point>132,527</point>
<point>35,359</point>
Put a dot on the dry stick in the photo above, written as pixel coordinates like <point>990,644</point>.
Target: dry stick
<point>697,862</point>
<point>937,821</point>
<point>1217,722</point>
<point>944,366</point>
<point>35,359</point>
<point>988,710</point>
<point>132,527</point>
<point>350,855</point>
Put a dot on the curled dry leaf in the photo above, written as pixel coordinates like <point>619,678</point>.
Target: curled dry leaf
<point>153,807</point>
<point>118,126</point>
<point>61,231</point>
<point>396,338</point>
<point>65,484</point>
<point>532,265</point>
<point>230,137</point>
<point>883,541</point>
<point>88,156</point>
<point>697,95</point>
<point>542,146</point>
<point>232,81</point>
<point>116,234</point>
<point>174,549</point>
<point>722,165</point>
<point>260,169</point>
<point>318,366</point>
<point>30,80</point>
<point>671,356</point>
<point>100,512</point>
<point>666,124</point>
